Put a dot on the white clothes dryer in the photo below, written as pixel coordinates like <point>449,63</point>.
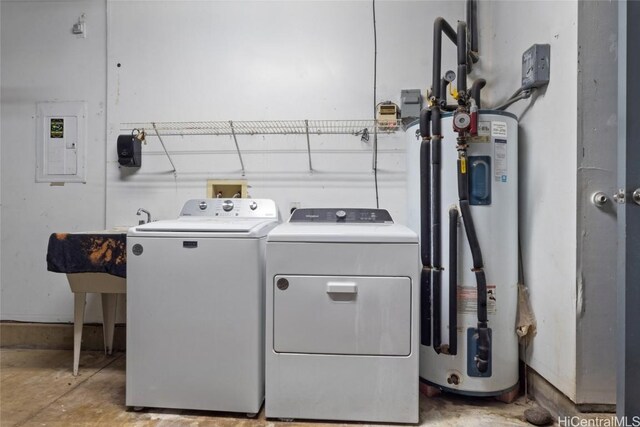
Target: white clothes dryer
<point>342,334</point>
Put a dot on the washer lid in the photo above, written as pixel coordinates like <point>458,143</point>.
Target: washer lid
<point>342,233</point>
<point>207,226</point>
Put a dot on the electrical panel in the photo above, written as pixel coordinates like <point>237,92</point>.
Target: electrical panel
<point>61,141</point>
<point>411,103</point>
<point>535,66</point>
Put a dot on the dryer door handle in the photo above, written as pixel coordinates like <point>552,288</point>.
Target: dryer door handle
<point>342,288</point>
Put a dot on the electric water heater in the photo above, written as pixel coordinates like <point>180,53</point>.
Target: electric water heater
<point>449,354</point>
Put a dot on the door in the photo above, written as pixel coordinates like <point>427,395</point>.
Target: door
<point>356,315</point>
<point>194,323</point>
<point>628,385</point>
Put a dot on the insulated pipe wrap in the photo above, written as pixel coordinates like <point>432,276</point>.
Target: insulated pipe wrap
<point>425,307</point>
<point>474,27</point>
<point>437,309</point>
<point>462,57</point>
<point>481,280</point>
<point>476,87</point>
<point>425,122</point>
<point>435,203</point>
<point>453,281</point>
<point>425,228</point>
<point>470,230</point>
<point>425,203</point>
<point>439,26</point>
<point>436,123</point>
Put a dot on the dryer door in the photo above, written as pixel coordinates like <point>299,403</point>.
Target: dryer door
<point>342,315</point>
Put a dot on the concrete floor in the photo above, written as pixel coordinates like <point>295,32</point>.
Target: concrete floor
<point>38,389</point>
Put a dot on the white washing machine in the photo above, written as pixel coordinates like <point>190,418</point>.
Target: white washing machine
<point>342,317</point>
<point>195,307</point>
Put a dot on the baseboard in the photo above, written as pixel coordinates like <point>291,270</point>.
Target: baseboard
<point>57,336</point>
<point>556,402</point>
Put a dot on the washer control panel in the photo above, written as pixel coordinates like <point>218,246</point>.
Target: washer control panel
<point>342,216</point>
<point>231,208</point>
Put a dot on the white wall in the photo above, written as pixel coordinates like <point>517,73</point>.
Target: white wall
<point>43,61</point>
<point>261,61</point>
<point>548,162</point>
<point>193,60</point>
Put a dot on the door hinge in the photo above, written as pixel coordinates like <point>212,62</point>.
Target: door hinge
<point>620,196</point>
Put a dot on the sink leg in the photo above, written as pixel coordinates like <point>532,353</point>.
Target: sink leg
<point>109,305</point>
<point>78,320</point>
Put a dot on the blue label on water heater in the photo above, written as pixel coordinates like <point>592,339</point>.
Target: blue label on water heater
<point>479,180</point>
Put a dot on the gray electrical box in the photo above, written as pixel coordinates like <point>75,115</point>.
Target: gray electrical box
<point>535,66</point>
<point>410,104</point>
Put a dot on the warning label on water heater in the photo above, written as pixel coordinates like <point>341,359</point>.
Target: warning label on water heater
<point>500,159</point>
<point>468,299</point>
<point>499,129</point>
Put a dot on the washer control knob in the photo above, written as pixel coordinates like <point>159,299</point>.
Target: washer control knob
<point>202,205</point>
<point>341,214</point>
<point>253,206</point>
<point>227,205</point>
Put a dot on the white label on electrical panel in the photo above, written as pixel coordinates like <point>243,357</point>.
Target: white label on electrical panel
<point>484,128</point>
<point>500,159</point>
<point>499,129</point>
<point>468,299</point>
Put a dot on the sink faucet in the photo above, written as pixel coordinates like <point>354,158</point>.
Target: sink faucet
<point>142,221</point>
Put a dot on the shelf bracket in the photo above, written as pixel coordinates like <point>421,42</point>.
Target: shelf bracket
<point>235,139</point>
<point>306,127</point>
<point>155,129</point>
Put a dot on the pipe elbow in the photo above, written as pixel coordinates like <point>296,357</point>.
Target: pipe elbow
<point>476,87</point>
<point>440,25</point>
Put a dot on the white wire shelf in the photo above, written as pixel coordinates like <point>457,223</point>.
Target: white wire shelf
<point>274,127</point>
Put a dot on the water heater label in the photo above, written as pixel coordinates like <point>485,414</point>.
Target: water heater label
<point>468,301</point>
<point>484,128</point>
<point>500,159</point>
<point>499,129</point>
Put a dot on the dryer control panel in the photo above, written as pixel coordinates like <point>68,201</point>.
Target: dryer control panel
<point>231,208</point>
<point>342,216</point>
